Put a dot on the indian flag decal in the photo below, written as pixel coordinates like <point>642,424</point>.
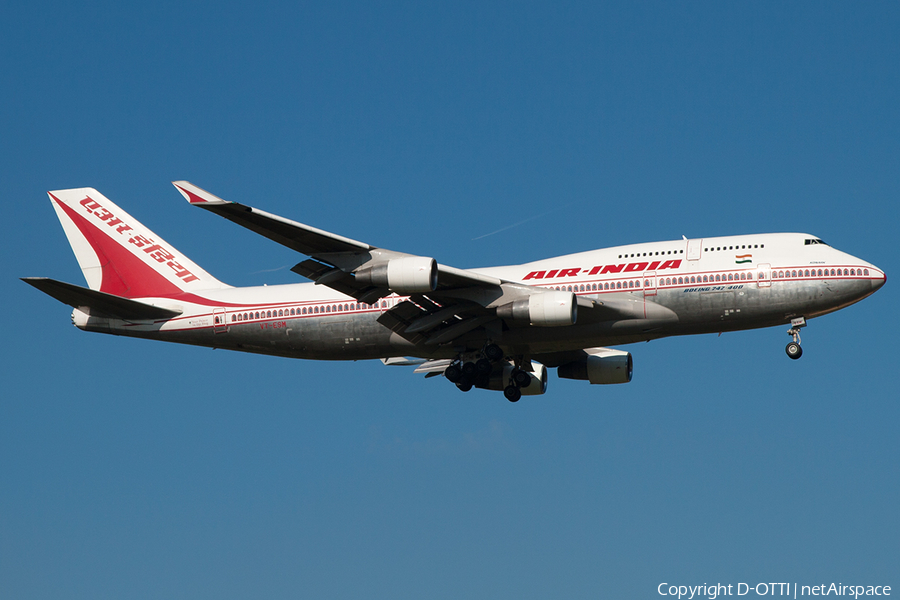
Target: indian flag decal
<point>740,259</point>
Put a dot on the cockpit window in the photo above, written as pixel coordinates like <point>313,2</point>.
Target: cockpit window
<point>810,242</point>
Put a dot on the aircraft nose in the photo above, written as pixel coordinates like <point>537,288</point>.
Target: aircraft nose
<point>877,281</point>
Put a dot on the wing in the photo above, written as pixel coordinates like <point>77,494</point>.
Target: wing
<point>446,304</point>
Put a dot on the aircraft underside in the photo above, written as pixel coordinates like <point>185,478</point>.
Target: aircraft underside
<point>361,336</point>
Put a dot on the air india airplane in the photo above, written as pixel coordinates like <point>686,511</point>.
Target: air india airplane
<point>497,328</point>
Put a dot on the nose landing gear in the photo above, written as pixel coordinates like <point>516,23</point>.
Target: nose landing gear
<point>793,349</point>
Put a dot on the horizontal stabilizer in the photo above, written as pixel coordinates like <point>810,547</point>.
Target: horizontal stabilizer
<point>100,302</point>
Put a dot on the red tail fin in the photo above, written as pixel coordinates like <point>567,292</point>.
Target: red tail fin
<point>118,255</point>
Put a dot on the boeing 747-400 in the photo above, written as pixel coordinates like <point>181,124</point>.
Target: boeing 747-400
<point>497,328</point>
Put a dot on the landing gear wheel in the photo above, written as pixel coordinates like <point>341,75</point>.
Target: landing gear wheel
<point>793,349</point>
<point>469,369</point>
<point>464,386</point>
<point>493,352</point>
<point>521,379</point>
<point>512,393</point>
<point>453,373</point>
<point>483,366</point>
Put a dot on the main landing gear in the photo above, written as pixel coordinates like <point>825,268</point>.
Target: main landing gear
<point>793,349</point>
<point>475,370</point>
<point>519,379</point>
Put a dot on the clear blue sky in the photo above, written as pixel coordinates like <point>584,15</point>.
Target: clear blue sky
<point>135,469</point>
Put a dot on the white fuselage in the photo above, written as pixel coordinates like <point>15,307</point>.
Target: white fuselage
<point>671,288</point>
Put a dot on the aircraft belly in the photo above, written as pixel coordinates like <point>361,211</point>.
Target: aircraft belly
<point>340,337</point>
<point>749,307</point>
<point>360,336</point>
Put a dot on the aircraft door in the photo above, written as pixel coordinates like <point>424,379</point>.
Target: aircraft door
<point>649,283</point>
<point>219,323</point>
<point>693,249</point>
<point>764,275</point>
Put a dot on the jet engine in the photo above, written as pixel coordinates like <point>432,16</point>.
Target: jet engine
<point>502,377</point>
<point>407,275</point>
<point>545,309</point>
<point>602,365</point>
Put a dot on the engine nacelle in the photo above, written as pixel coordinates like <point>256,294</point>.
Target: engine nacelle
<point>600,366</point>
<point>407,275</point>
<point>545,309</point>
<point>502,377</point>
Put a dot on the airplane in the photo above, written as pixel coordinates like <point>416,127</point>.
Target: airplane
<point>497,328</point>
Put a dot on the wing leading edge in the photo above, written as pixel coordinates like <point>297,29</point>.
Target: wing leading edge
<point>446,304</point>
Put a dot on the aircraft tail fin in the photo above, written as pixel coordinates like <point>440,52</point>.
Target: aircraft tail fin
<point>120,256</point>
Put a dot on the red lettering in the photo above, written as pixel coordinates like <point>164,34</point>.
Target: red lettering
<point>653,265</point>
<point>139,241</point>
<point>638,266</point>
<point>671,264</point>
<point>104,214</point>
<point>122,228</point>
<point>612,269</point>
<point>551,274</point>
<point>535,275</point>
<point>179,270</point>
<point>595,270</point>
<point>89,204</point>
<point>569,272</point>
<point>159,254</point>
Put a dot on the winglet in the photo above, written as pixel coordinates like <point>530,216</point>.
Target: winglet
<point>196,195</point>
